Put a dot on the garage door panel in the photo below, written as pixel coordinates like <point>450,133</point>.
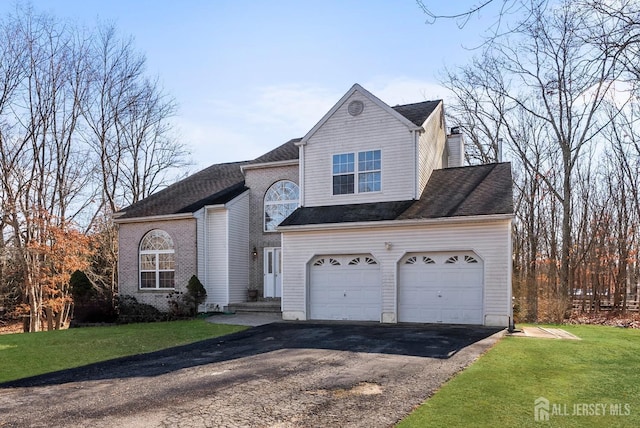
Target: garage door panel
<point>419,314</point>
<point>448,289</point>
<point>348,288</point>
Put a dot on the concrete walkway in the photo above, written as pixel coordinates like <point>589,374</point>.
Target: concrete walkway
<point>545,333</point>
<point>252,319</point>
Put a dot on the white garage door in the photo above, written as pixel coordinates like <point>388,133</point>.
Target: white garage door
<point>345,288</point>
<point>441,288</point>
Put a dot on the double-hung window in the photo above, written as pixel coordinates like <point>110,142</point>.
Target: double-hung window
<point>357,172</point>
<point>369,167</point>
<point>157,261</point>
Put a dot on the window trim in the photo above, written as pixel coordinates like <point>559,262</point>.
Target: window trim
<point>265,203</point>
<point>356,172</point>
<point>156,253</point>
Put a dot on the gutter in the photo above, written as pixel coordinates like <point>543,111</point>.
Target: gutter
<point>269,164</point>
<point>166,217</point>
<point>398,223</point>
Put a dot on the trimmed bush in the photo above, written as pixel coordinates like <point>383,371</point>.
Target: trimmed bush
<point>132,311</point>
<point>196,293</point>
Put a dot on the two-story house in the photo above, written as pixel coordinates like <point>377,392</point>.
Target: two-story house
<point>370,216</point>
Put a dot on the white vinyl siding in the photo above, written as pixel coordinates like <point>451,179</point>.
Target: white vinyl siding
<point>430,147</point>
<point>200,247</point>
<point>217,277</point>
<point>223,252</point>
<point>374,129</point>
<point>490,240</point>
<point>238,248</point>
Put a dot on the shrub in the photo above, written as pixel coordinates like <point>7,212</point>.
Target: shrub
<point>130,311</point>
<point>196,293</point>
<point>90,305</point>
<point>179,307</point>
<point>183,305</point>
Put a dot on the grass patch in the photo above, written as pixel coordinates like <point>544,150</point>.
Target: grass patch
<point>500,388</point>
<point>30,354</point>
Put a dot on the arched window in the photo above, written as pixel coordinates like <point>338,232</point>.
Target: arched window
<point>157,260</point>
<point>281,199</point>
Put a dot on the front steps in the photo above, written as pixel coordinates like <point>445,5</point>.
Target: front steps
<point>269,306</point>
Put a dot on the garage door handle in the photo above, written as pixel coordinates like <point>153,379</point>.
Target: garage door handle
<point>345,294</point>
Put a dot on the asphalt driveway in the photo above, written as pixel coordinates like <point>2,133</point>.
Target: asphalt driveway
<point>275,375</point>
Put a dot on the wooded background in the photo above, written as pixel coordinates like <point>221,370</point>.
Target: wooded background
<point>84,131</point>
<point>555,89</point>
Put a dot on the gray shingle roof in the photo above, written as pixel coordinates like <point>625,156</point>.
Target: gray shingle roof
<point>216,184</point>
<point>220,183</point>
<point>376,211</point>
<point>417,113</point>
<point>287,151</point>
<point>452,192</point>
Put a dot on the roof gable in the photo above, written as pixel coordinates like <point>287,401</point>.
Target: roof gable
<point>357,88</point>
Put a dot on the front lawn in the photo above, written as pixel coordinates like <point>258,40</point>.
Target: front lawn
<point>594,382</point>
<point>30,354</point>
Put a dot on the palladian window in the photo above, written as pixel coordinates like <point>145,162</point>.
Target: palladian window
<point>281,199</point>
<point>157,261</point>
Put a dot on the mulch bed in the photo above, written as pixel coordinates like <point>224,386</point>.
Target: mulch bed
<point>628,320</point>
<point>10,326</point>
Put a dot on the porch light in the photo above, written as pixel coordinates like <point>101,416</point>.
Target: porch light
<point>254,253</point>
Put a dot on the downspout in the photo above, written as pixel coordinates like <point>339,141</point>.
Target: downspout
<point>416,165</point>
<point>205,268</point>
<point>512,325</point>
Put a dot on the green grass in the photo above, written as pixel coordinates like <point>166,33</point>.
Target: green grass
<point>30,354</point>
<point>500,388</point>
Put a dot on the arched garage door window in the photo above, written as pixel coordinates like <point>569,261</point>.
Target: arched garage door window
<point>281,199</point>
<point>157,261</point>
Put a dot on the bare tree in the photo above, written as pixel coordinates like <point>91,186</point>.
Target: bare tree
<point>80,123</point>
<point>546,69</point>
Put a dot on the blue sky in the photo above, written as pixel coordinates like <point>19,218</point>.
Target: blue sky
<point>249,75</point>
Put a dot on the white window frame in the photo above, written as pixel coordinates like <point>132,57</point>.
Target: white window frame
<point>272,203</point>
<point>356,172</point>
<point>156,253</point>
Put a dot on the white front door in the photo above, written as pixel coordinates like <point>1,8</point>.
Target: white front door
<point>272,272</point>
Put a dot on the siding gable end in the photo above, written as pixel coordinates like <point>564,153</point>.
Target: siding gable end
<point>357,88</point>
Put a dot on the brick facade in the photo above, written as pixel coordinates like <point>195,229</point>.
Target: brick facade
<point>259,180</point>
<point>183,233</point>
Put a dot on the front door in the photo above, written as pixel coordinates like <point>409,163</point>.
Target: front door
<point>272,272</point>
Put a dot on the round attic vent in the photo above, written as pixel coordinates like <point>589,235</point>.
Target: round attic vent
<point>355,107</point>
